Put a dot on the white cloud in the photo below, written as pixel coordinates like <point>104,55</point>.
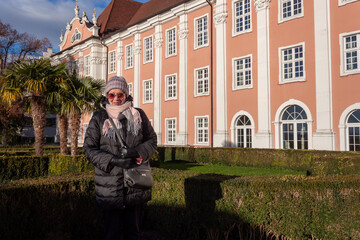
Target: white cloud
<point>44,18</point>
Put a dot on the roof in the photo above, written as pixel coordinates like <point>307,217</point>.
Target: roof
<point>152,8</point>
<point>121,14</point>
<point>116,15</point>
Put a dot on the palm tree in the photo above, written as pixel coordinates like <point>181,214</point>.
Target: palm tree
<point>85,93</point>
<point>32,80</point>
<point>56,101</point>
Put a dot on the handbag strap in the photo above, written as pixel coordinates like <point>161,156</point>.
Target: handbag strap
<point>117,132</point>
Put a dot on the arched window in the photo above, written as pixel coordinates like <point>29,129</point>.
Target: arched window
<point>294,128</point>
<point>76,36</point>
<point>353,130</point>
<point>243,132</point>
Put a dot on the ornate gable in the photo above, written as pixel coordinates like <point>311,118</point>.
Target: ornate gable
<point>78,29</point>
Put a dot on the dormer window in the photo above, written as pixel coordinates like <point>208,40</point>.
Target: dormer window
<point>76,36</point>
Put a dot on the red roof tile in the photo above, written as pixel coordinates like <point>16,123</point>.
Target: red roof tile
<point>152,8</point>
<point>116,15</point>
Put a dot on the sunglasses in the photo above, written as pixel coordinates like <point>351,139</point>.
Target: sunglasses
<point>111,96</point>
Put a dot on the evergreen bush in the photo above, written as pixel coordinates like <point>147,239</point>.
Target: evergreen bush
<point>191,206</point>
<point>17,167</point>
<point>63,164</point>
<point>313,161</point>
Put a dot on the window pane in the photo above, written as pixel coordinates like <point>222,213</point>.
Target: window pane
<point>288,136</point>
<point>354,117</point>
<point>242,72</point>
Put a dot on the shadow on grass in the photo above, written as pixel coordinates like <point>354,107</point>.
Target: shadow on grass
<point>68,211</point>
<point>178,165</point>
<point>200,220</point>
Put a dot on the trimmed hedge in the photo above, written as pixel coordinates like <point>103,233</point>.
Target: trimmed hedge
<point>191,206</point>
<point>313,161</point>
<point>60,164</point>
<point>16,167</point>
<point>50,208</point>
<point>15,153</point>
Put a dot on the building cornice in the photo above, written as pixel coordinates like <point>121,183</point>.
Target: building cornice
<point>84,45</point>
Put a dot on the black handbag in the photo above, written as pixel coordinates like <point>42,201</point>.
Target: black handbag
<point>138,176</point>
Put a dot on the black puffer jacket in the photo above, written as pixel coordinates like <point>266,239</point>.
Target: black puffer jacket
<point>100,149</point>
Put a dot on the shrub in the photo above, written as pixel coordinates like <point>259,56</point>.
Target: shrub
<point>60,164</point>
<point>313,161</point>
<point>16,167</point>
<point>193,206</point>
<point>14,153</point>
<point>51,208</point>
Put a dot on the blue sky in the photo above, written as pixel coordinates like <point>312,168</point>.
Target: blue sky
<point>46,18</point>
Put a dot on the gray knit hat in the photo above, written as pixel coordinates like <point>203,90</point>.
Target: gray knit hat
<point>117,82</point>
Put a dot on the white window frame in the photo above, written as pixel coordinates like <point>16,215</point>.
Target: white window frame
<point>295,130</point>
<point>170,43</point>
<point>173,85</point>
<point>234,32</point>
<point>280,11</point>
<point>233,127</point>
<point>129,59</point>
<point>282,80</point>
<point>245,128</point>
<point>344,126</point>
<point>87,65</point>
<point>348,125</point>
<point>344,2</point>
<point>173,130</point>
<point>343,71</point>
<point>234,60</point>
<point>197,142</point>
<point>130,86</point>
<point>196,80</point>
<point>196,46</point>
<point>148,49</point>
<point>112,61</point>
<point>278,122</point>
<point>147,90</point>
<point>76,36</point>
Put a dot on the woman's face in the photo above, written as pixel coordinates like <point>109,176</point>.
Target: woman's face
<point>116,97</point>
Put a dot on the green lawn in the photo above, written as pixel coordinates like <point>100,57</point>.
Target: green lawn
<point>228,170</point>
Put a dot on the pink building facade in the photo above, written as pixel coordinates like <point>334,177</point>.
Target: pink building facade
<point>244,73</point>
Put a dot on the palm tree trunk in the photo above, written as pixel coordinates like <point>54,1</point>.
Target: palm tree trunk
<point>4,133</point>
<point>38,111</point>
<point>63,128</point>
<point>74,121</point>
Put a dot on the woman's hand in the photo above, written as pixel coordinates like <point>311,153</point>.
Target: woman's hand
<point>123,162</point>
<point>128,153</point>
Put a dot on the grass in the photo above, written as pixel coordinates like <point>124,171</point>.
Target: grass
<point>228,170</point>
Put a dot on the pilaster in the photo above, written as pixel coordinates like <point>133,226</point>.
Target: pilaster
<point>98,62</point>
<point>324,137</point>
<point>157,81</point>
<point>263,138</point>
<point>137,57</point>
<point>182,136</point>
<point>69,63</point>
<point>221,137</point>
<point>119,58</point>
<point>81,63</point>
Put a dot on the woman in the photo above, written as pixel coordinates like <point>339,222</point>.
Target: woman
<point>121,206</point>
